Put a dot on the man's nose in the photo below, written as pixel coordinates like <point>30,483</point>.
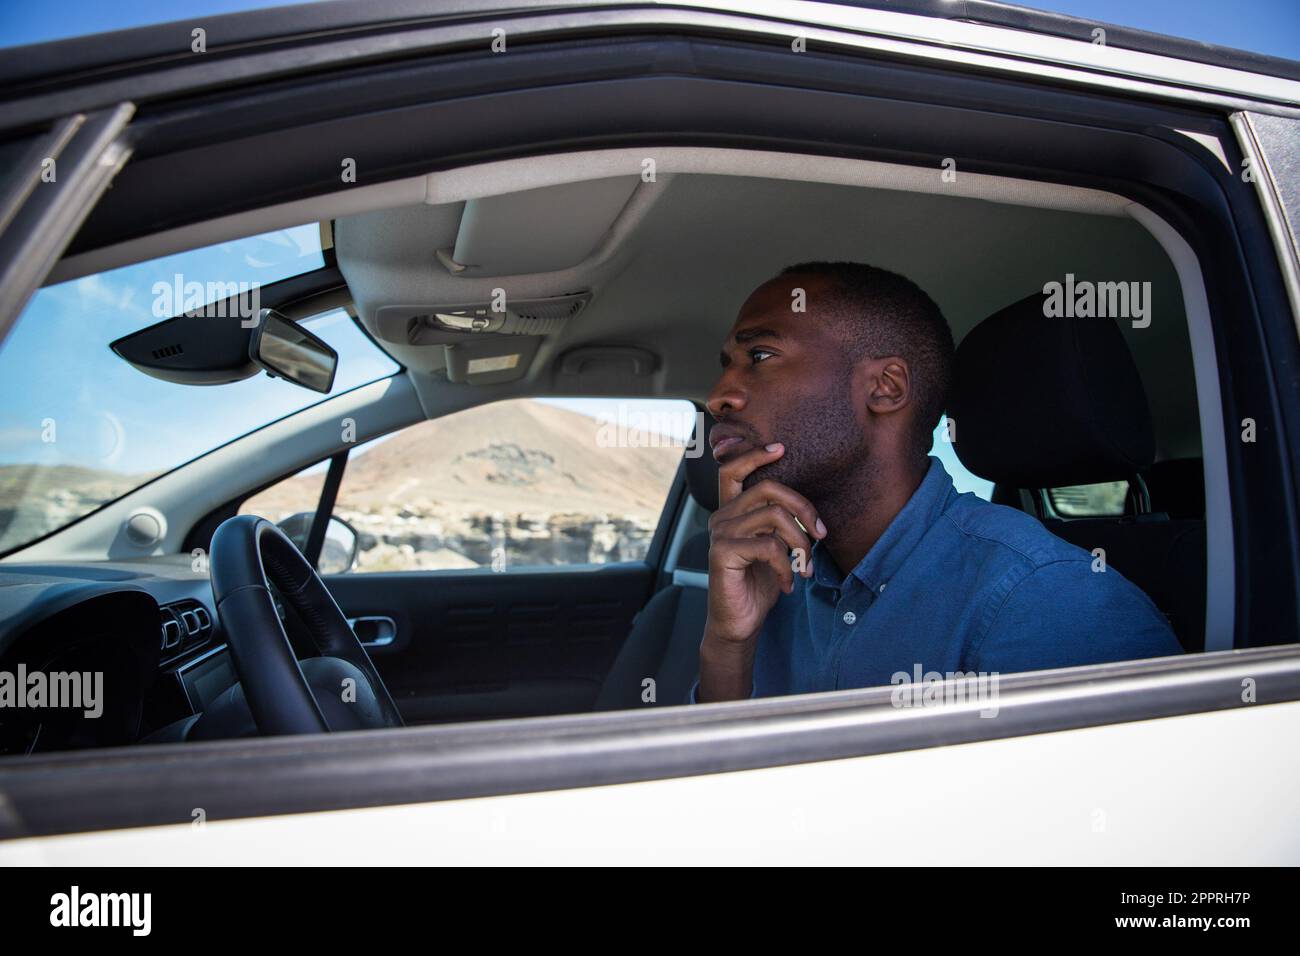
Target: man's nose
<point>726,398</point>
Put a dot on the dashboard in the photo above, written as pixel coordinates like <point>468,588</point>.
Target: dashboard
<point>105,653</point>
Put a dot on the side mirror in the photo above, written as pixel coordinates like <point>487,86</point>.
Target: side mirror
<point>287,350</point>
<point>338,553</point>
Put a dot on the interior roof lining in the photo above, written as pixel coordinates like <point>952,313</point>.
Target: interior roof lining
<point>534,172</point>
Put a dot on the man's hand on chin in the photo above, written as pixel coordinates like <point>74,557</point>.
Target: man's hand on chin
<point>751,536</point>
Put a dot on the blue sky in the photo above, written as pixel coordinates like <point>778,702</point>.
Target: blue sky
<point>67,399</point>
<point>1265,26</point>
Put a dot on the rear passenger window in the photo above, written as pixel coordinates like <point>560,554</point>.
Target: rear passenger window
<point>1106,499</point>
<point>963,480</point>
<point>518,483</point>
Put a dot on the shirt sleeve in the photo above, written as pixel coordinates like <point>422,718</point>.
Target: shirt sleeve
<point>1064,614</point>
<point>690,698</point>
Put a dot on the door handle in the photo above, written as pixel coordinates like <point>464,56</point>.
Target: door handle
<point>374,631</point>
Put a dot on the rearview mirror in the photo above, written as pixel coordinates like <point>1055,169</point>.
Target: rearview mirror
<point>287,350</point>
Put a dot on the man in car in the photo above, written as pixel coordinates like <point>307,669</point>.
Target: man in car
<point>841,555</point>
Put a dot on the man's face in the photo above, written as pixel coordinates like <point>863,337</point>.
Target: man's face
<point>786,378</point>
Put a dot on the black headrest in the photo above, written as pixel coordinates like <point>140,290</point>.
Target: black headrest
<point>702,471</point>
<point>1040,402</point>
<point>1177,487</point>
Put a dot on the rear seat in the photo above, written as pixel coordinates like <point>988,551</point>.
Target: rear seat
<point>1048,403</point>
<point>1165,557</point>
<point>1163,553</point>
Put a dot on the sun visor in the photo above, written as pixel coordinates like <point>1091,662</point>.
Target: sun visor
<point>499,235</point>
<point>438,324</point>
<point>491,359</point>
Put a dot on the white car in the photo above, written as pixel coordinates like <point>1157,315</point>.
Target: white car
<point>345,349</point>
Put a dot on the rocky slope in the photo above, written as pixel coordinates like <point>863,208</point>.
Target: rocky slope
<point>37,499</point>
<point>509,484</point>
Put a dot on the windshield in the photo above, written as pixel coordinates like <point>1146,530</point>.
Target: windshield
<point>79,427</point>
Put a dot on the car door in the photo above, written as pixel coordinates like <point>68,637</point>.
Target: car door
<point>501,551</point>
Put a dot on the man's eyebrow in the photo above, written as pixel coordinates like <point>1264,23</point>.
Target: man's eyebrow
<point>749,335</point>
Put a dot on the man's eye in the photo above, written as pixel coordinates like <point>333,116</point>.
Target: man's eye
<point>755,353</point>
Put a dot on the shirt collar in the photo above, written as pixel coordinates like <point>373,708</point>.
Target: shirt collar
<point>900,539</point>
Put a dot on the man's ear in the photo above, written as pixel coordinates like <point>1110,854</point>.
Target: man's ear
<point>889,384</point>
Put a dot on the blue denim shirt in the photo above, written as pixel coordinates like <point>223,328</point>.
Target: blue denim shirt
<point>954,584</point>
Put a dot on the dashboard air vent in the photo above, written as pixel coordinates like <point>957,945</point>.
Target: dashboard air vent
<point>186,625</point>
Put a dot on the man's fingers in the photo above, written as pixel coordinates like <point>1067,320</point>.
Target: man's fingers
<point>772,493</point>
<point>737,554</point>
<point>732,475</point>
<point>772,519</point>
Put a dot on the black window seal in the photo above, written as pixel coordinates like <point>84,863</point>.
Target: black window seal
<point>56,65</point>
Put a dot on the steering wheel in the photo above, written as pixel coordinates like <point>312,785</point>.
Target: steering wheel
<point>285,695</point>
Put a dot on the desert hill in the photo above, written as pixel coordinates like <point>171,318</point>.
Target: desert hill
<point>532,479</point>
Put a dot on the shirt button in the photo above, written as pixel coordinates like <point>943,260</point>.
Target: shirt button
<point>882,589</point>
<point>850,618</point>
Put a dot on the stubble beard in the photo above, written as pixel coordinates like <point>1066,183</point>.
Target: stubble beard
<point>826,458</point>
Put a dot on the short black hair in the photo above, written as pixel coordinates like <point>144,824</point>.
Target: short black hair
<point>877,313</point>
